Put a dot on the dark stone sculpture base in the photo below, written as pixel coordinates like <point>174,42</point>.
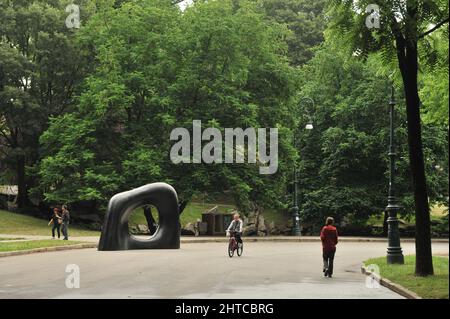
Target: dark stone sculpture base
<point>115,234</point>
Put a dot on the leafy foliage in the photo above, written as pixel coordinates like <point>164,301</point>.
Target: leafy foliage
<point>343,161</point>
<point>158,69</point>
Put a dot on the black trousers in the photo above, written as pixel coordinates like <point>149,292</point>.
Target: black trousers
<point>328,260</point>
<point>238,237</point>
<point>65,229</point>
<point>57,227</point>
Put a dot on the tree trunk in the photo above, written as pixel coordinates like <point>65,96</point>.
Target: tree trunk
<point>22,198</point>
<point>409,69</point>
<point>181,206</point>
<point>151,223</point>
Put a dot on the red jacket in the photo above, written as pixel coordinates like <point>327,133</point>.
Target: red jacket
<point>329,237</point>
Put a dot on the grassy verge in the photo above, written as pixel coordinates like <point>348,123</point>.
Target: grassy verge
<point>194,210</point>
<point>10,238</point>
<point>18,224</point>
<point>13,223</point>
<point>437,212</point>
<point>32,244</point>
<point>191,213</point>
<point>431,287</point>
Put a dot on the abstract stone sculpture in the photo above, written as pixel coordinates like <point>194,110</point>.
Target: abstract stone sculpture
<point>115,234</point>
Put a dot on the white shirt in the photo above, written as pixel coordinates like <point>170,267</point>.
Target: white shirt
<point>236,227</point>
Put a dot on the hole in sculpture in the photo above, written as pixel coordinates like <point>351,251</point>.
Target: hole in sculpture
<point>144,221</point>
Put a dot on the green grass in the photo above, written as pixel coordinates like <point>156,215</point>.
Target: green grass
<point>32,244</point>
<point>194,210</point>
<point>18,224</point>
<point>437,212</point>
<point>430,287</point>
<point>191,213</point>
<point>10,238</point>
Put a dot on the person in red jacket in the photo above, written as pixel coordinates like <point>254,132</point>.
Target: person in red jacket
<point>329,237</point>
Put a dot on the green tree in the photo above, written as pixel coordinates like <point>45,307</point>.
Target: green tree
<point>404,24</point>
<point>305,19</point>
<point>158,69</point>
<point>434,79</point>
<point>348,140</point>
<point>40,70</point>
<point>343,160</point>
<point>120,102</point>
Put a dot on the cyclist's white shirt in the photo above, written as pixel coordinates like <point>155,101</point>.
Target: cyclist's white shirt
<point>235,227</point>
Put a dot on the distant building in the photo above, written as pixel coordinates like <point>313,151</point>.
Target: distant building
<point>8,197</point>
<point>217,222</point>
<point>9,190</point>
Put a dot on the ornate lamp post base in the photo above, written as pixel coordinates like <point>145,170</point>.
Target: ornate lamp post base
<point>395,255</point>
<point>296,222</point>
<point>394,250</point>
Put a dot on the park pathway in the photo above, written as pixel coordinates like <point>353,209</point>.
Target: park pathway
<point>198,270</point>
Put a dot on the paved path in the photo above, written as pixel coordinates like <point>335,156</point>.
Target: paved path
<point>267,270</point>
<point>205,239</point>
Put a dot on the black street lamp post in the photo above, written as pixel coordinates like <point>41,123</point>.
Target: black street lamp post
<point>295,208</point>
<point>295,216</point>
<point>394,250</point>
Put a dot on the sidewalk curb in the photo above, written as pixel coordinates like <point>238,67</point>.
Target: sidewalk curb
<point>391,285</point>
<point>47,249</point>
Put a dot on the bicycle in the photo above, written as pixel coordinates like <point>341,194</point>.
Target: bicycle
<point>234,246</point>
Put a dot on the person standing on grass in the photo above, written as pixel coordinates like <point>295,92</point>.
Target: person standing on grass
<point>56,220</point>
<point>329,238</point>
<point>65,222</point>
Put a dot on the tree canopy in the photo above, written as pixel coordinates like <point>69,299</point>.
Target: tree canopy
<point>158,69</point>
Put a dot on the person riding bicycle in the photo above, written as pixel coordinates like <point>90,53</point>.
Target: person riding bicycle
<point>236,228</point>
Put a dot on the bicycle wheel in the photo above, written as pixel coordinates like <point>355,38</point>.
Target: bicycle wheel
<point>230,249</point>
<point>240,249</point>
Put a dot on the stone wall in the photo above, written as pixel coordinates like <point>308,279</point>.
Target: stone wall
<point>256,225</point>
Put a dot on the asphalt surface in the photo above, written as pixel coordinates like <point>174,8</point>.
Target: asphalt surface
<point>198,270</point>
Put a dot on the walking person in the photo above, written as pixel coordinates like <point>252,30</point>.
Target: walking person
<point>329,238</point>
<point>197,227</point>
<point>65,222</point>
<point>55,221</point>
